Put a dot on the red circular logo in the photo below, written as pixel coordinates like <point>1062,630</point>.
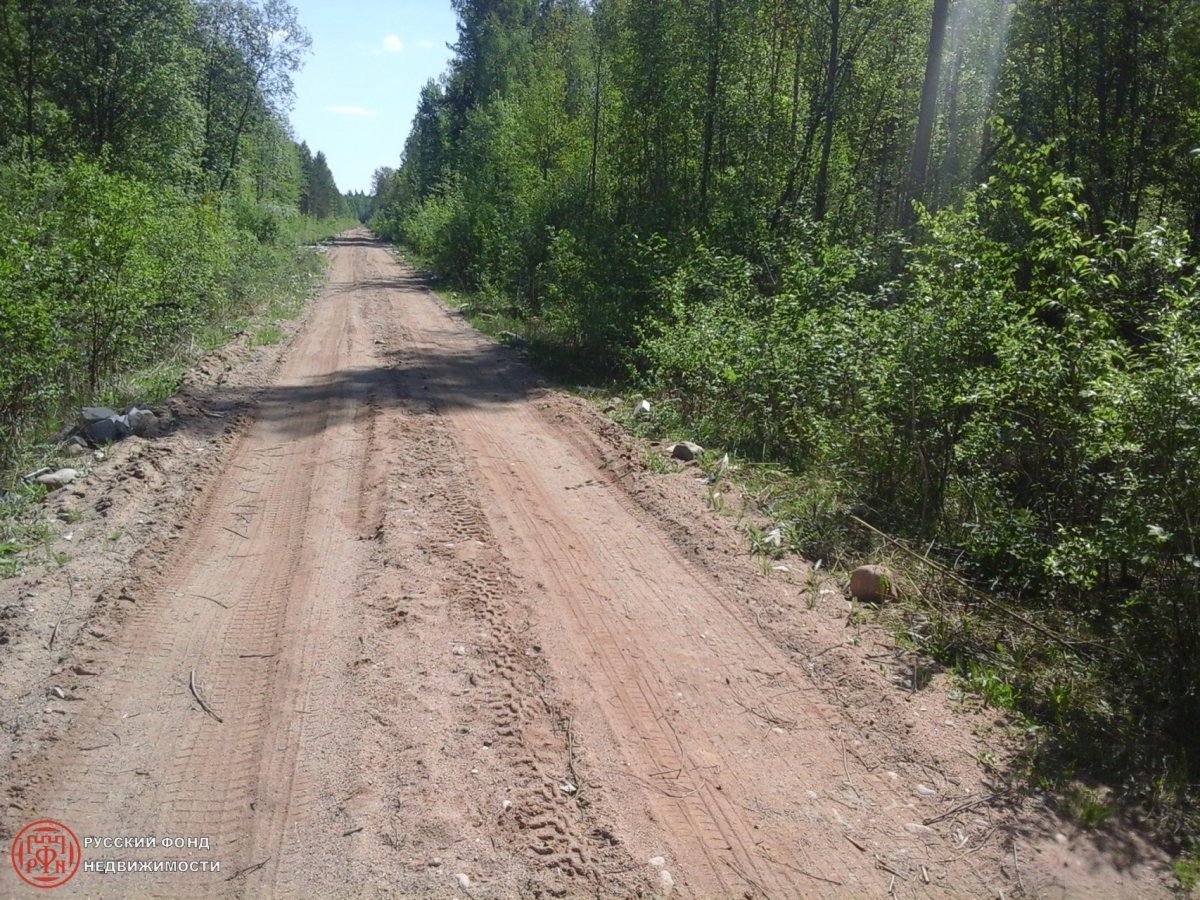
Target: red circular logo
<point>46,854</point>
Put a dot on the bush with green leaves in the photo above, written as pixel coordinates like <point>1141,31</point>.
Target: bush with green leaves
<point>1026,395</point>
<point>767,374</point>
<point>100,274</point>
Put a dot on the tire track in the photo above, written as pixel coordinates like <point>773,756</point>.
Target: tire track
<point>666,654</point>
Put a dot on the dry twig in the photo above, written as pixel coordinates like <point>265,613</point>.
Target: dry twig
<point>246,871</point>
<point>195,693</point>
<point>800,871</point>
<point>962,807</point>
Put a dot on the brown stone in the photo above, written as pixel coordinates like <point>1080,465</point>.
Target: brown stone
<point>872,584</point>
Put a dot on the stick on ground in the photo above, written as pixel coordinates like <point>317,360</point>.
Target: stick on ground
<point>246,871</point>
<point>195,693</point>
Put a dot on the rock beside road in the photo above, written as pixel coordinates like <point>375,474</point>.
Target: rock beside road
<point>686,450</point>
<point>872,584</point>
<point>57,479</point>
<point>103,425</point>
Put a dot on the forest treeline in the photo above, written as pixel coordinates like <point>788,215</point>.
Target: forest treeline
<point>149,182</point>
<point>936,256</point>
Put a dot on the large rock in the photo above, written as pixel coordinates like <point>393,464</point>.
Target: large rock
<point>142,422</point>
<point>58,479</point>
<point>872,584</point>
<point>102,431</point>
<point>113,427</point>
<point>686,450</point>
<point>91,414</point>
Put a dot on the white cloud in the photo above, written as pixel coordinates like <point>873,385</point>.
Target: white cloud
<point>359,111</point>
<point>393,44</point>
<point>425,45</point>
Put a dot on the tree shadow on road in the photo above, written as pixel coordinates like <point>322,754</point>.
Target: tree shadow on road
<point>488,376</point>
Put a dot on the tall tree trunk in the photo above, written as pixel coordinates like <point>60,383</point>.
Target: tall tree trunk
<point>243,118</point>
<point>710,110</point>
<point>599,50</point>
<point>924,138</point>
<point>821,188</point>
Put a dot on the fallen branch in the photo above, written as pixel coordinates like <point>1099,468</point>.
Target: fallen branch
<point>746,878</point>
<point>195,693</point>
<point>70,600</point>
<point>975,849</point>
<point>768,717</point>
<point>879,861</point>
<point>246,871</point>
<point>210,600</point>
<point>846,769</point>
<point>800,871</point>
<point>862,847</point>
<point>962,807</point>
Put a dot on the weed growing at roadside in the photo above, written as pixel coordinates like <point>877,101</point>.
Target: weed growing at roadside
<point>1187,871</point>
<point>277,281</point>
<point>269,334</point>
<point>655,461</point>
<point>1088,807</point>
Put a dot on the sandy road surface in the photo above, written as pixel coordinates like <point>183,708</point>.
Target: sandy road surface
<point>438,632</point>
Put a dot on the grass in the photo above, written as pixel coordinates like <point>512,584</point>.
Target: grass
<point>496,318</point>
<point>20,534</point>
<point>1187,871</point>
<point>1052,699</point>
<point>144,387</point>
<point>1087,807</point>
<point>653,460</point>
<point>265,336</point>
<point>306,231</point>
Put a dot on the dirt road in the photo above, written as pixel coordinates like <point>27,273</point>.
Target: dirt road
<point>425,628</point>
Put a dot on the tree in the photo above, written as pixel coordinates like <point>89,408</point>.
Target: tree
<point>925,120</point>
<point>250,50</point>
<point>319,196</point>
<point>28,52</point>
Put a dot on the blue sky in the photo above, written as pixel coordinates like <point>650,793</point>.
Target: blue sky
<point>357,93</point>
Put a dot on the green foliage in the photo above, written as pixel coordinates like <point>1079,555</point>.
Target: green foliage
<point>993,687</point>
<point>268,334</point>
<point>319,196</point>
<point>1089,807</point>
<point>100,276</point>
<point>151,188</point>
<point>765,375</point>
<point>1187,871</point>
